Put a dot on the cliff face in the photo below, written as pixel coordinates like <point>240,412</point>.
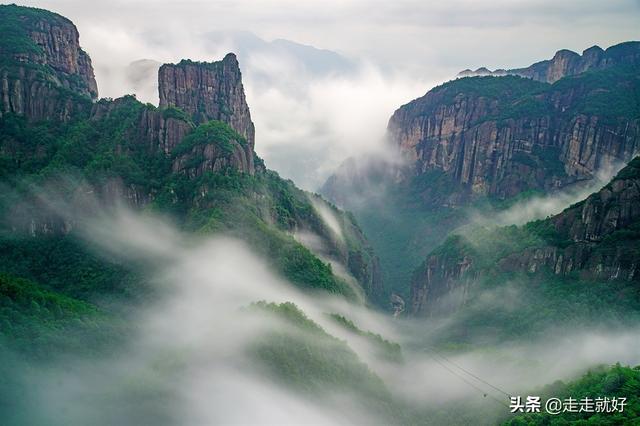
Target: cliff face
<point>212,147</point>
<point>60,49</point>
<point>596,239</point>
<point>567,63</point>
<point>208,91</point>
<point>441,284</point>
<point>157,130</point>
<point>500,136</point>
<point>44,72</point>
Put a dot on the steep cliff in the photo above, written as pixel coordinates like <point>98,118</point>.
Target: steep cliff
<point>191,158</point>
<point>208,91</point>
<point>482,143</point>
<point>566,63</point>
<point>500,136</point>
<point>44,73</point>
<point>595,240</point>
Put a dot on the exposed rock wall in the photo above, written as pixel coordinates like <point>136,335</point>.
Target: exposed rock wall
<point>60,44</point>
<point>22,92</point>
<point>51,75</point>
<point>600,237</point>
<point>459,134</point>
<point>208,91</point>
<point>153,128</point>
<point>211,158</point>
<point>441,284</point>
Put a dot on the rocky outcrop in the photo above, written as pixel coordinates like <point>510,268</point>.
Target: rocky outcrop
<point>208,91</point>
<point>614,207</point>
<point>44,72</point>
<point>158,129</point>
<point>59,42</point>
<point>567,63</point>
<point>23,92</point>
<point>500,136</point>
<point>211,157</point>
<point>441,284</point>
<point>596,239</point>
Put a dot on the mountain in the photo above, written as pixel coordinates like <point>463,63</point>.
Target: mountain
<point>481,144</point>
<point>588,255</point>
<point>192,158</point>
<point>500,136</point>
<point>566,63</point>
<point>44,70</point>
<point>307,59</point>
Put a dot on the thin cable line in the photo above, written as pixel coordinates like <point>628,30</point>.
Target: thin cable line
<point>484,393</point>
<point>468,372</point>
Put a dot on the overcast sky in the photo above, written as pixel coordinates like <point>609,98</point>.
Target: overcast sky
<point>402,48</point>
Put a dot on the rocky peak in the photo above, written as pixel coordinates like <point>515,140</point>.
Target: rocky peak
<point>499,136</point>
<point>43,38</point>
<point>208,91</point>
<point>44,74</point>
<point>614,207</point>
<point>567,63</point>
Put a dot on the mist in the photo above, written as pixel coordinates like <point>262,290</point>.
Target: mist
<point>322,78</point>
<point>189,356</point>
<point>542,206</point>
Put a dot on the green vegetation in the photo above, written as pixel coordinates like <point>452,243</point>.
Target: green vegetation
<point>509,299</point>
<point>65,265</point>
<point>176,113</point>
<point>316,360</point>
<point>631,171</point>
<point>306,357</point>
<point>40,323</point>
<point>15,24</point>
<point>506,88</point>
<point>385,349</point>
<point>613,382</point>
<point>611,93</point>
<point>212,132</point>
<point>263,210</point>
<point>20,53</point>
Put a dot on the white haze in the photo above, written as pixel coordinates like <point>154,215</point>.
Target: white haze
<point>307,123</point>
<point>190,347</point>
<point>543,206</point>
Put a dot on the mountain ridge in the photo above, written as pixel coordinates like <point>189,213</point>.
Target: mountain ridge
<point>566,63</point>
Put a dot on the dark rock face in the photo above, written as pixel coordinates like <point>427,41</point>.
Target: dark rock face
<point>601,235</point>
<point>59,41</point>
<point>154,128</point>
<point>208,91</point>
<point>588,224</point>
<point>456,132</point>
<point>51,74</point>
<point>567,63</point>
<point>441,284</point>
<point>23,92</point>
<point>211,158</point>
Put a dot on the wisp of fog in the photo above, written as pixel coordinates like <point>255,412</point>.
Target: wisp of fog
<point>188,360</point>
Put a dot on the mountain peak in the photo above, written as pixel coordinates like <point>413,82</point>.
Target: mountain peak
<point>208,91</point>
<point>566,63</point>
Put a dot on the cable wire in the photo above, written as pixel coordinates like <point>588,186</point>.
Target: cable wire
<point>484,393</point>
<point>469,373</point>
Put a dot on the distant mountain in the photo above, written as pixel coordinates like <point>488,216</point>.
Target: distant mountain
<point>483,142</point>
<point>255,54</point>
<point>566,63</point>
<point>309,59</point>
